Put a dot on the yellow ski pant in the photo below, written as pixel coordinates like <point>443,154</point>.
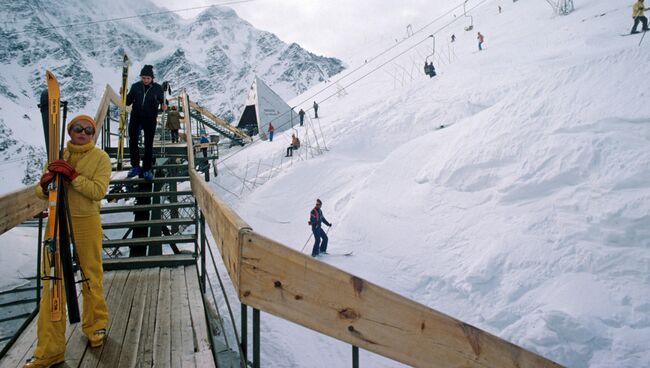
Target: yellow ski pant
<point>51,335</point>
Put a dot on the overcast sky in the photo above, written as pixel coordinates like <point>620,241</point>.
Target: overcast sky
<point>342,28</point>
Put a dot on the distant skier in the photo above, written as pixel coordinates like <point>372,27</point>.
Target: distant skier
<point>639,17</point>
<point>453,38</point>
<point>145,96</point>
<point>432,70</point>
<point>295,144</point>
<point>173,123</point>
<point>301,113</point>
<point>499,9</point>
<point>87,171</point>
<point>315,110</point>
<point>316,219</point>
<point>480,39</point>
<point>271,130</point>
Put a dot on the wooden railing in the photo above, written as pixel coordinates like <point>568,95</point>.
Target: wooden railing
<point>274,278</point>
<point>18,206</point>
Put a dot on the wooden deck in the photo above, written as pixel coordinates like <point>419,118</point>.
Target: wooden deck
<point>156,318</point>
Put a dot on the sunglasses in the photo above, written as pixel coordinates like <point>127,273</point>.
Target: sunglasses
<point>78,128</point>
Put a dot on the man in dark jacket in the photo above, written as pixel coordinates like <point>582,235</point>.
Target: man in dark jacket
<point>316,219</point>
<point>315,110</point>
<point>145,96</point>
<point>301,113</point>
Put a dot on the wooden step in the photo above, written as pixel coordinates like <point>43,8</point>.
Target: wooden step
<point>163,222</point>
<point>146,207</point>
<point>131,263</point>
<point>155,167</point>
<point>110,196</point>
<point>152,240</point>
<point>168,179</point>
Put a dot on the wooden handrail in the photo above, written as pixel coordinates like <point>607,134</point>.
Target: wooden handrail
<point>276,279</point>
<point>18,206</point>
<point>100,116</point>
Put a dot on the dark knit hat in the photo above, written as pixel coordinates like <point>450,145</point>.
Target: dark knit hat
<point>147,71</point>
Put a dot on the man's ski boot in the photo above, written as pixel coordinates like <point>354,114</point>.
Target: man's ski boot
<point>135,171</point>
<point>36,362</point>
<point>148,176</point>
<point>97,338</point>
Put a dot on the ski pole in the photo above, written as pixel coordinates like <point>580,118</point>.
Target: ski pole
<point>642,37</point>
<point>307,242</point>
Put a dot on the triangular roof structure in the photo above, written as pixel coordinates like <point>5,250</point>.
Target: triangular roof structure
<point>263,106</point>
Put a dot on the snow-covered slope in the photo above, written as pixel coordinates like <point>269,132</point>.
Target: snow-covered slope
<point>527,215</point>
<point>215,56</point>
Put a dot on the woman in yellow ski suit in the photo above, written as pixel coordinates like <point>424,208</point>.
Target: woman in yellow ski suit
<point>87,171</point>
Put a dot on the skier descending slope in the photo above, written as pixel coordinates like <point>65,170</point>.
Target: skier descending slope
<point>637,13</point>
<point>87,170</point>
<point>316,219</point>
<point>145,96</point>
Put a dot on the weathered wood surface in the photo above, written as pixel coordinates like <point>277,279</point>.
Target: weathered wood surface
<point>100,116</point>
<point>187,122</point>
<point>226,226</point>
<point>136,302</point>
<point>293,286</point>
<point>18,206</point>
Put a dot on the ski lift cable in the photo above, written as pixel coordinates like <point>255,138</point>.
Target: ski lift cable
<point>365,75</point>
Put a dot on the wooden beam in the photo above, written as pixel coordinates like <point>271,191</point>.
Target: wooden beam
<point>187,121</point>
<point>225,225</point>
<point>102,110</point>
<point>293,286</point>
<point>18,206</point>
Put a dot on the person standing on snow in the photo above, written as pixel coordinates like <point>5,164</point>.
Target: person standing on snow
<point>316,219</point>
<point>301,113</point>
<point>145,96</point>
<point>86,170</point>
<point>639,17</point>
<point>480,39</point>
<point>271,129</point>
<point>315,110</point>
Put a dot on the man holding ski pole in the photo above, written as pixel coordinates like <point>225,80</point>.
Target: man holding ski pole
<point>145,96</point>
<point>86,170</point>
<point>637,13</point>
<point>316,219</point>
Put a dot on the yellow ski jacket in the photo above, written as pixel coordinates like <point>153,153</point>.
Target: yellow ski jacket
<point>88,189</point>
<point>637,9</point>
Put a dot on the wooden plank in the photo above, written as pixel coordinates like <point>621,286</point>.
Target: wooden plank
<point>187,333</point>
<point>224,224</point>
<point>119,291</point>
<point>178,278</point>
<point>112,347</point>
<point>204,359</point>
<point>18,206</point>
<point>197,311</point>
<point>18,353</point>
<point>145,349</point>
<point>171,260</point>
<point>78,342</point>
<point>129,353</point>
<point>162,335</point>
<point>293,286</point>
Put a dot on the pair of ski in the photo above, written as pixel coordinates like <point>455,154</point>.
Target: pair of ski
<point>59,238</point>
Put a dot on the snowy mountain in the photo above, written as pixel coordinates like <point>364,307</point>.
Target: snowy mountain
<point>527,215</point>
<point>216,56</point>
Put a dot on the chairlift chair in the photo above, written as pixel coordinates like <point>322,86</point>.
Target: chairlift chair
<point>471,18</point>
<point>430,70</point>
